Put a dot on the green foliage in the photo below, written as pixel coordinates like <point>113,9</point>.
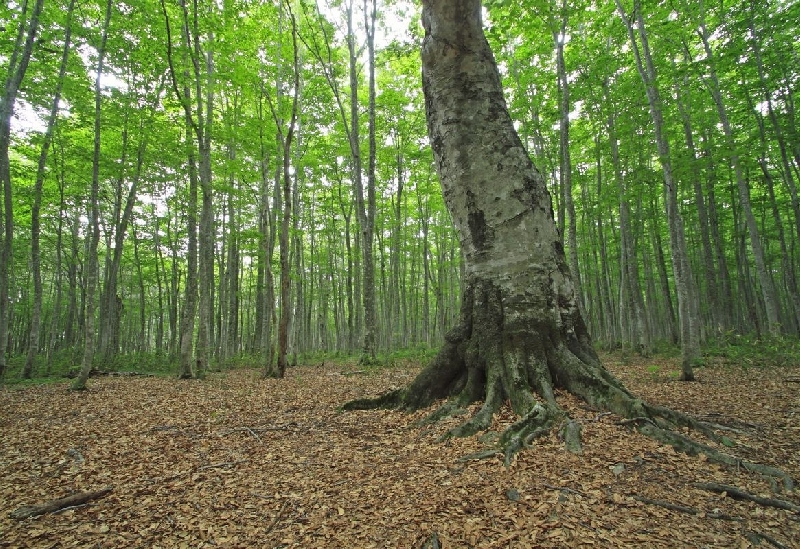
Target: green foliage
<point>145,138</point>
<point>419,355</point>
<point>150,363</point>
<point>752,352</point>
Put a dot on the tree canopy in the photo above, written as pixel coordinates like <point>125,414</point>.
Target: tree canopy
<point>191,174</point>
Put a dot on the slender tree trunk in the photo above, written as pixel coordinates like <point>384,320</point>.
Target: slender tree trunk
<point>92,270</point>
<point>108,326</point>
<point>725,292</point>
<point>771,305</point>
<point>205,333</point>
<point>368,216</point>
<point>56,335</point>
<point>661,266</point>
<point>630,290</point>
<point>36,316</point>
<point>70,329</point>
<point>565,161</point>
<point>160,280</point>
<point>17,66</point>
<point>690,325</point>
<point>285,139</point>
<point>142,341</point>
<point>189,311</point>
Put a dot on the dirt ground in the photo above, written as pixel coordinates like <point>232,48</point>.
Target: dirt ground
<point>238,461</point>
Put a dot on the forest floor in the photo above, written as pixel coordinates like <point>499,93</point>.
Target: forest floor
<point>239,461</point>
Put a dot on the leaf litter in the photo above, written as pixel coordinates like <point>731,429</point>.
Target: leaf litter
<point>239,461</point>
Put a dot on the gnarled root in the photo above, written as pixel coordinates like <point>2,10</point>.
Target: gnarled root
<point>487,357</point>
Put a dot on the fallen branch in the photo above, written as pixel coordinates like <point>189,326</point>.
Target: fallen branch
<point>27,511</point>
<point>241,430</point>
<point>564,489</point>
<point>227,464</point>
<point>737,493</point>
<point>277,517</point>
<point>683,509</point>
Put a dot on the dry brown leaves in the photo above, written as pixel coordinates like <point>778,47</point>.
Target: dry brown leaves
<point>237,461</point>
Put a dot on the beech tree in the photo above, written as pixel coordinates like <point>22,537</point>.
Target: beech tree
<point>521,334</point>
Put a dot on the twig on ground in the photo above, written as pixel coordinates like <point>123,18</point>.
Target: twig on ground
<point>277,517</point>
<point>756,537</point>
<point>241,430</point>
<point>564,489</point>
<point>222,464</point>
<point>80,498</point>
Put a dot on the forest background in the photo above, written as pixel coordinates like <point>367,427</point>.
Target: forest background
<point>193,185</point>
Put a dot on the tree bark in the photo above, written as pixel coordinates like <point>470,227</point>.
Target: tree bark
<point>17,66</point>
<point>94,221</point>
<point>684,283</point>
<point>520,334</point>
<point>36,315</point>
<point>285,141</point>
<point>368,216</point>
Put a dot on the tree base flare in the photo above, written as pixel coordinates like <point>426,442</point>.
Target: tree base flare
<point>487,358</point>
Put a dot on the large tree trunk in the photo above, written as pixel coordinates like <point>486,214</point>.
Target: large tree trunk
<point>521,330</point>
<point>521,334</point>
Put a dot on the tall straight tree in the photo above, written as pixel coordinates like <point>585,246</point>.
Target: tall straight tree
<point>565,161</point>
<point>36,260</point>
<point>285,136</point>
<point>189,310</point>
<point>368,211</point>
<point>17,66</point>
<point>92,270</point>
<point>684,282</point>
<point>771,304</point>
<point>521,334</point>
<point>199,117</point>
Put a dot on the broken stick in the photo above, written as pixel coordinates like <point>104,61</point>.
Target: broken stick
<point>27,511</point>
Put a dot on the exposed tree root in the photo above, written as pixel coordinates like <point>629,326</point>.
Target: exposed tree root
<point>738,493</point>
<point>498,356</point>
<point>756,537</point>
<point>683,508</point>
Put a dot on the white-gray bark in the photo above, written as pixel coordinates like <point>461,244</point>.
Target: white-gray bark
<point>684,283</point>
<point>17,66</point>
<point>93,229</point>
<point>521,334</point>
